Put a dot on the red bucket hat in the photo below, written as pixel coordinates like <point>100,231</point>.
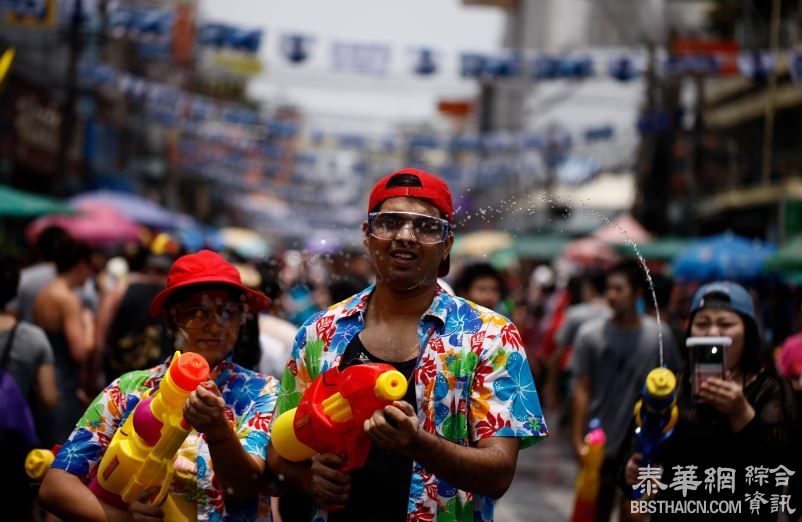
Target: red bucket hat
<point>432,189</point>
<point>201,268</point>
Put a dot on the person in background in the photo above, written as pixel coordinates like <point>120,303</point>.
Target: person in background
<point>70,328</point>
<point>276,334</point>
<point>30,356</point>
<point>37,276</point>
<point>746,419</point>
<point>548,305</point>
<point>612,357</point>
<point>127,336</point>
<point>449,448</point>
<point>216,469</point>
<point>25,356</point>
<point>592,305</point>
<point>482,284</point>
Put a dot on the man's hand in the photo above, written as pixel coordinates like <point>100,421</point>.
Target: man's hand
<point>327,485</point>
<point>205,410</point>
<point>140,510</point>
<point>632,470</point>
<point>399,438</point>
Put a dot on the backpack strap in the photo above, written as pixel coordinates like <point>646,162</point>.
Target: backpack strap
<point>7,348</point>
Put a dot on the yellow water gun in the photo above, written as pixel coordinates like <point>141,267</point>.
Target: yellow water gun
<point>141,452</point>
<point>6,59</point>
<point>587,482</point>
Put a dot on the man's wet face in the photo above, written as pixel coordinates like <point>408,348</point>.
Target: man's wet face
<point>405,261</point>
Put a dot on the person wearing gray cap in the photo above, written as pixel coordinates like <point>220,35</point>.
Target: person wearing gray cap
<point>736,429</point>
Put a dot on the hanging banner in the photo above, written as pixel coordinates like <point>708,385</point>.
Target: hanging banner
<point>756,66</point>
<point>724,53</point>
<point>795,66</point>
<point>624,69</point>
<point>424,61</point>
<point>358,58</point>
<point>230,49</point>
<point>472,65</point>
<point>32,13</point>
<point>296,48</point>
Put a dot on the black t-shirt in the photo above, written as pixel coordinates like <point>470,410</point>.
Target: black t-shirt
<point>380,489</point>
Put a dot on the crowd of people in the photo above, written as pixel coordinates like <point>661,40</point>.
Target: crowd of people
<point>87,335</point>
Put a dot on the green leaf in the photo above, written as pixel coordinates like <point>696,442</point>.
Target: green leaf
<point>132,381</point>
<point>451,514</point>
<point>312,354</point>
<point>468,366</point>
<point>456,427</point>
<point>94,413</point>
<point>288,397</point>
<point>467,512</point>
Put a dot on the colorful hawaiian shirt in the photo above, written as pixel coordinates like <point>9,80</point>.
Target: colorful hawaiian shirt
<point>250,399</point>
<point>472,382</point>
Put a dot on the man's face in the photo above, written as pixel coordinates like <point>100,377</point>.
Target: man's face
<point>620,293</point>
<point>404,261</point>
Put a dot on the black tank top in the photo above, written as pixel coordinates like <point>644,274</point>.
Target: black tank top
<point>380,489</point>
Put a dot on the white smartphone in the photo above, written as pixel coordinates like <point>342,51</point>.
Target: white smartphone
<point>708,356</point>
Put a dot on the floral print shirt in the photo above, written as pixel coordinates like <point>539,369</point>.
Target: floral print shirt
<point>472,382</point>
<point>250,399</point>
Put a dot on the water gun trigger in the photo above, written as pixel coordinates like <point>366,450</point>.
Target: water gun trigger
<point>337,408</point>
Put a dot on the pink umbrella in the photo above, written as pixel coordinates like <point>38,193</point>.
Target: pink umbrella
<point>97,224</point>
<point>622,228</point>
<point>590,251</point>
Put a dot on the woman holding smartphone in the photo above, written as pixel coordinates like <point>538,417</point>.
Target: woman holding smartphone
<point>735,425</point>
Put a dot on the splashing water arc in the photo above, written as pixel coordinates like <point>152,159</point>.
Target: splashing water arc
<point>531,207</point>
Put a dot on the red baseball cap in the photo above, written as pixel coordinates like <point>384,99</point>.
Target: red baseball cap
<point>201,268</point>
<point>432,189</point>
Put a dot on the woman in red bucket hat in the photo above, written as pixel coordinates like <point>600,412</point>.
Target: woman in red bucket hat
<point>203,306</point>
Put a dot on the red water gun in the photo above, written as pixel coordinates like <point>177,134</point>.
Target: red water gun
<point>331,415</point>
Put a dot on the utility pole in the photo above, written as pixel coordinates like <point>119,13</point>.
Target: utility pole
<point>771,99</point>
<point>75,43</point>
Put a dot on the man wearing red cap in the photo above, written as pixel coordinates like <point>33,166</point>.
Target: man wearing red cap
<point>450,447</point>
<point>203,307</point>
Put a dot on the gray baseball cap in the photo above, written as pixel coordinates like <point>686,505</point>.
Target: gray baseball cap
<point>724,295</point>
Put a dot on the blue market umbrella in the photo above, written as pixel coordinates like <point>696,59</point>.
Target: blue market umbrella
<point>726,256</point>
